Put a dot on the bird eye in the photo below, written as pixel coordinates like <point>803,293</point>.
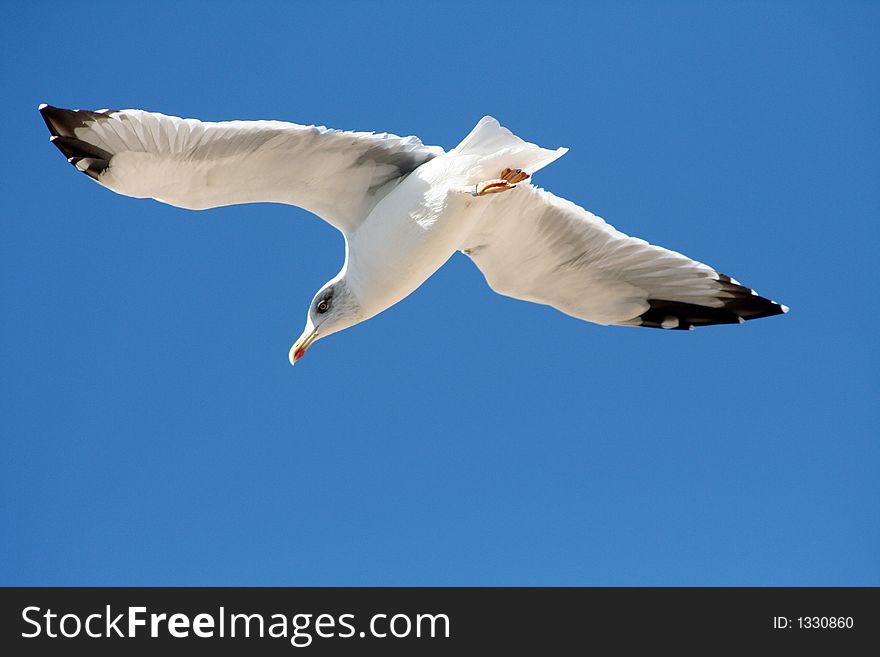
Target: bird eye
<point>323,306</point>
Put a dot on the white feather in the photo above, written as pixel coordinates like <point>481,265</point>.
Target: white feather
<point>535,246</point>
<point>197,165</point>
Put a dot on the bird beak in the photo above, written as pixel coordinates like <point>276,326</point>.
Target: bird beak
<point>299,347</point>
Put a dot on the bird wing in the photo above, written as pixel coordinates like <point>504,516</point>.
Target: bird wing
<point>535,246</point>
<point>195,164</point>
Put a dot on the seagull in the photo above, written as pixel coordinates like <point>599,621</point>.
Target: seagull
<point>404,209</point>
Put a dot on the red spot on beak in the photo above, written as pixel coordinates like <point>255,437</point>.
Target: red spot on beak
<point>299,353</point>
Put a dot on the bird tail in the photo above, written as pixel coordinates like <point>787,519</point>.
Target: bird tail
<point>497,148</point>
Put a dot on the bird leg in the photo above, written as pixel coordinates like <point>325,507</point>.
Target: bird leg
<point>508,180</point>
<point>514,176</point>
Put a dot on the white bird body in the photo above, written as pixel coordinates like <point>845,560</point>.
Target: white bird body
<point>408,236</point>
<point>405,208</point>
<point>427,217</point>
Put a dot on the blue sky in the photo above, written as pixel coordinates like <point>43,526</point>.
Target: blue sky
<point>154,432</point>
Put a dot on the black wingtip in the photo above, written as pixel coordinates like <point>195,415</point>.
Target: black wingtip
<point>92,160</point>
<point>64,122</point>
<point>72,147</point>
<point>738,304</point>
<point>47,111</point>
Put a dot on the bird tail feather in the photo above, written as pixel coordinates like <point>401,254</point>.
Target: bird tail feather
<point>497,148</point>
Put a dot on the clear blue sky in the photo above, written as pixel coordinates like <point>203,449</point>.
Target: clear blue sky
<point>154,432</point>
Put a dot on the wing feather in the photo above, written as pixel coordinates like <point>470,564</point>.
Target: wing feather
<point>195,164</point>
<point>535,246</point>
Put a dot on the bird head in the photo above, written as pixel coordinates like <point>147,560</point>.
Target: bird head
<point>333,308</point>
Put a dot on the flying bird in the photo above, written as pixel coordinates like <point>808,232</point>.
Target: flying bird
<point>405,208</point>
